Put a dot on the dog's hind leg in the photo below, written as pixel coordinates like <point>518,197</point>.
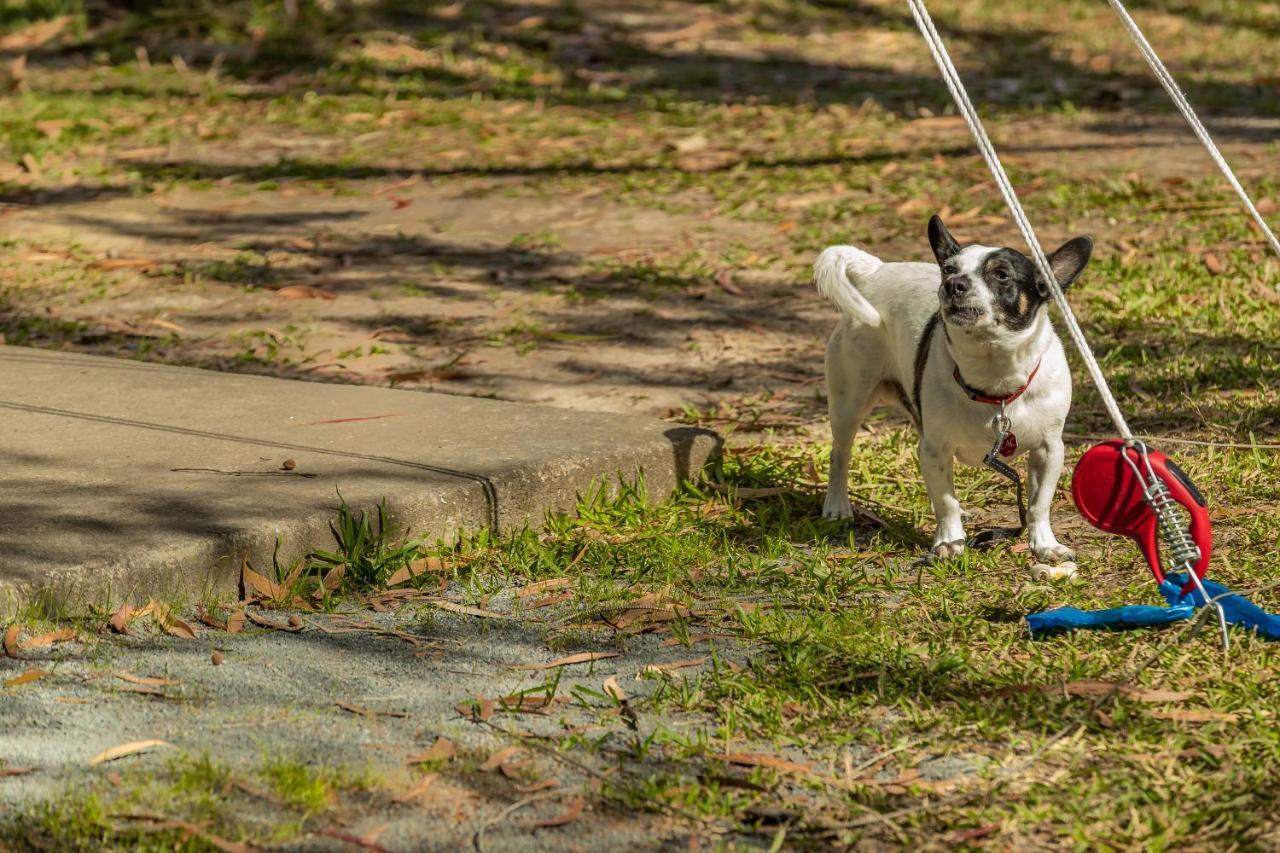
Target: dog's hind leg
<point>853,388</point>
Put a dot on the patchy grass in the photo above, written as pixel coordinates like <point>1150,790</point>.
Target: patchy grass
<point>188,803</point>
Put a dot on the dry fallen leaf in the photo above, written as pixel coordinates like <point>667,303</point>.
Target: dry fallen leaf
<point>466,610</point>
<point>572,810</point>
<point>369,712</point>
<point>417,791</point>
<point>1214,263</point>
<point>61,636</point>
<point>538,587</point>
<point>414,569</point>
<point>11,646</point>
<point>526,704</point>
<point>581,657</point>
<point>259,619</point>
<point>235,622</point>
<point>724,278</point>
<point>126,749</point>
<point>108,264</point>
<point>442,750</point>
<point>305,291</point>
<point>120,620</point>
<point>675,664</point>
<point>764,759</point>
<point>477,712</point>
<point>15,771</point>
<point>179,628</point>
<point>499,758</point>
<point>148,680</point>
<point>260,584</point>
<point>538,786</point>
<point>27,677</point>
<point>1090,687</point>
<point>611,688</point>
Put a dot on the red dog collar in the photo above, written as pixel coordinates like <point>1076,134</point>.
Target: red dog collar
<point>983,397</point>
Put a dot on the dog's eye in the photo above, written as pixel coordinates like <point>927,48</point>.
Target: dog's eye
<point>1000,276</point>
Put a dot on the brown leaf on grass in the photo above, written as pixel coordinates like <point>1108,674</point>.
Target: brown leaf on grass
<point>35,35</point>
<point>126,749</point>
<point>305,291</point>
<point>1194,715</point>
<point>108,264</point>
<point>179,628</point>
<point>120,620</point>
<point>259,619</point>
<point>235,622</point>
<point>1214,263</point>
<point>538,786</point>
<point>724,278</point>
<point>417,791</point>
<point>11,645</point>
<point>27,677</point>
<point>466,610</point>
<point>442,750</point>
<point>675,664</point>
<point>527,704</point>
<point>332,579</point>
<point>581,657</point>
<point>477,712</point>
<point>148,680</point>
<point>209,619</point>
<point>1091,687</point>
<point>15,771</point>
<point>499,758</point>
<point>612,688</point>
<point>260,584</point>
<point>572,811</point>
<point>400,202</point>
<point>369,712</point>
<point>416,568</point>
<point>764,759</point>
<point>538,587</point>
<point>548,600</point>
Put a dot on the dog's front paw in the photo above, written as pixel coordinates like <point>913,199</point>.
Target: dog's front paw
<point>947,550</point>
<point>834,507</point>
<point>1053,554</point>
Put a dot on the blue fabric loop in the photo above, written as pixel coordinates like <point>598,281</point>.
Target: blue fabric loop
<point>1239,611</point>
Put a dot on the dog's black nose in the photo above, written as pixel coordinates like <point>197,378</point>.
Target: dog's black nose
<point>957,286</point>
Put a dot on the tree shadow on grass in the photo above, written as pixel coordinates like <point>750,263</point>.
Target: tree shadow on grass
<point>601,59</point>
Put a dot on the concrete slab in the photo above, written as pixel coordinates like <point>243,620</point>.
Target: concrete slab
<point>121,480</point>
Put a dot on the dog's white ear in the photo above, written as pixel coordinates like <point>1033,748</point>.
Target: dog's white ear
<point>1068,261</point>
<point>944,245</point>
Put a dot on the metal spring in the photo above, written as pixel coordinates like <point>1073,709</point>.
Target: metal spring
<point>1182,548</point>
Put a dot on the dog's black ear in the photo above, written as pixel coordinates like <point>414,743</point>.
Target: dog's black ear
<point>944,245</point>
<point>1068,261</point>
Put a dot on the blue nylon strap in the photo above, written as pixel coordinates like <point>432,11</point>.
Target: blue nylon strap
<point>1239,610</point>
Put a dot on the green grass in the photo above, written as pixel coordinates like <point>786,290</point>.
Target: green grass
<point>857,646</point>
<point>843,642</point>
<point>189,803</point>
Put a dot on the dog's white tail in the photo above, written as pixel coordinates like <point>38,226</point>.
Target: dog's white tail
<point>838,272</point>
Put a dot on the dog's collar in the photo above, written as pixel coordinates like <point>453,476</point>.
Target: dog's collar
<point>979,396</point>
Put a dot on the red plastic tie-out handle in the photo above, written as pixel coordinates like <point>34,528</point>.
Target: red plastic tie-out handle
<point>1110,497</point>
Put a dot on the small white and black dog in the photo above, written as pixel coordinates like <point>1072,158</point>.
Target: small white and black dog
<point>952,345</point>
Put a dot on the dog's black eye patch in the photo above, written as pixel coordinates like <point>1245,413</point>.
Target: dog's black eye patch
<point>1011,278</point>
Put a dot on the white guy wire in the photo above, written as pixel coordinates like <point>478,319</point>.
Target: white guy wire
<point>961,97</point>
<point>1184,106</point>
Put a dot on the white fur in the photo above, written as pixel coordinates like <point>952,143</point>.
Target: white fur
<point>865,359</point>
<point>831,273</point>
